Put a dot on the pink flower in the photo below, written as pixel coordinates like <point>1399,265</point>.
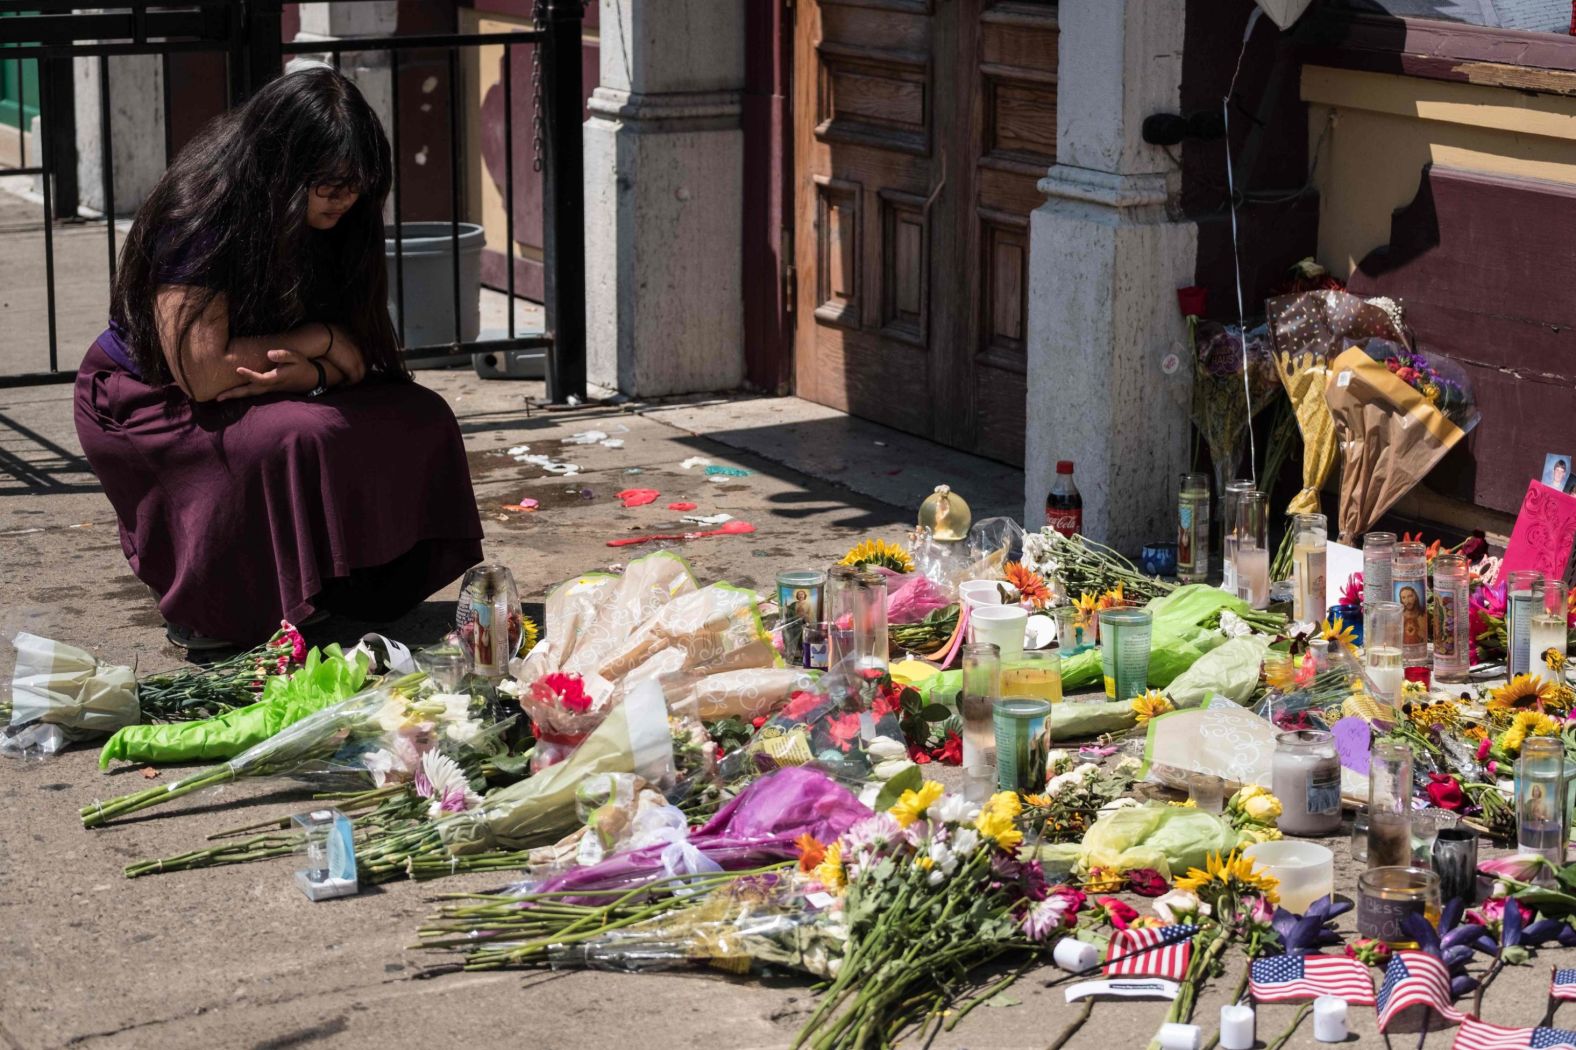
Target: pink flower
<point>1370,951</point>
<point>1260,910</point>
<point>1491,913</point>
<point>1520,867</point>
<point>1076,897</point>
<point>1483,748</point>
<point>565,690</point>
<point>1044,917</point>
<point>801,704</point>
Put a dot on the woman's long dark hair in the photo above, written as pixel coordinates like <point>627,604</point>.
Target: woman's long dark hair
<point>229,217</point>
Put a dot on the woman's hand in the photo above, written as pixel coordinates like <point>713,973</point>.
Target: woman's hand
<point>292,373</point>
<point>345,355</point>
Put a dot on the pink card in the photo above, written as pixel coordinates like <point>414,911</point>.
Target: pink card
<point>1544,533</point>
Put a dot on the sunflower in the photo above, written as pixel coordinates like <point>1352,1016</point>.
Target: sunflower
<point>1151,704</point>
<point>1526,724</point>
<point>1444,713</point>
<point>879,552</point>
<point>1554,659</point>
<point>529,634</point>
<point>1031,585</point>
<point>1231,876</point>
<point>1338,631</point>
<point>1521,693</point>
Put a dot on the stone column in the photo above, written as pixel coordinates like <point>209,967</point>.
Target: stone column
<point>369,70</point>
<point>664,155</point>
<point>1106,256</point>
<point>136,132</point>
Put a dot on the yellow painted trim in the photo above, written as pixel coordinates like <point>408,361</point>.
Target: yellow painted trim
<point>1448,102</point>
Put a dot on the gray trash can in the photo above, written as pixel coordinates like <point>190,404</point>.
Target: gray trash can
<point>428,250</point>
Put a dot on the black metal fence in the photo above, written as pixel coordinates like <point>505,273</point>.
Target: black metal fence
<point>247,33</point>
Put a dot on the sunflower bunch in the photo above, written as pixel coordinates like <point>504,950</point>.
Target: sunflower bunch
<point>879,552</point>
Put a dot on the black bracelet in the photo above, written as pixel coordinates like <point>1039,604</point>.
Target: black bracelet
<point>322,380</point>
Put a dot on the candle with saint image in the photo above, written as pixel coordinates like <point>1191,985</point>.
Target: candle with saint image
<point>1451,642</point>
<point>1523,595</point>
<point>1410,583</point>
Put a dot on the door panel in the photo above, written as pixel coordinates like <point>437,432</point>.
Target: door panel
<point>920,130</point>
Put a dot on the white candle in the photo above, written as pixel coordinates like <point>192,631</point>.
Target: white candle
<point>1329,1019</point>
<point>1253,576</point>
<point>1075,956</point>
<point>1175,1036</point>
<point>1236,1027</point>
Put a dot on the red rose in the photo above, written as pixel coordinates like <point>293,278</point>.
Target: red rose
<point>843,731</point>
<point>888,701</point>
<point>1444,792</point>
<point>1146,882</point>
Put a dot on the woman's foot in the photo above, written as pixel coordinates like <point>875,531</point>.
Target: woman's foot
<point>192,642</point>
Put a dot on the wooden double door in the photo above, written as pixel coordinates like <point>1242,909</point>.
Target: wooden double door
<point>920,130</point>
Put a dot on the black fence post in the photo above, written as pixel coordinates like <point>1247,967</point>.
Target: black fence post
<point>263,56</point>
<point>58,108</point>
<point>563,202</point>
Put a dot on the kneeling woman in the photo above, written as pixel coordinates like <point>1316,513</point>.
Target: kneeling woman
<point>247,412</point>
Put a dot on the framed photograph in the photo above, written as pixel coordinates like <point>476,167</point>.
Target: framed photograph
<point>1557,471</point>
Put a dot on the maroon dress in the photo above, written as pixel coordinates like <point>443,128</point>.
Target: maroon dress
<point>241,513</point>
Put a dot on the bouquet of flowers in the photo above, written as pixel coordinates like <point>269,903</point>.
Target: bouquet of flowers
<point>1222,396</point>
<point>562,714</point>
<point>1397,413</point>
<point>383,734</point>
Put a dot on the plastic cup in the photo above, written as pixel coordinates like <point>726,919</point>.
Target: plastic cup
<point>1305,870</point>
<point>980,592</point>
<point>1001,626</point>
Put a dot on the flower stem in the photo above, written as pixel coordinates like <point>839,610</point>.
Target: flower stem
<point>1072,1026</point>
<point>1281,1039</point>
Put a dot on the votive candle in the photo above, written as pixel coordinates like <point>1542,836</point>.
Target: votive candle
<point>1311,535</point>
<point>1236,1027</point>
<point>1329,1019</point>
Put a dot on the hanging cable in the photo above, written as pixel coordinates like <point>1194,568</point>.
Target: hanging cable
<point>1236,245</point>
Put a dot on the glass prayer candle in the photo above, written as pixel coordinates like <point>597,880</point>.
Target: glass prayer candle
<point>1383,664</point>
<point>1387,895</point>
<point>1310,536</point>
<point>1074,630</point>
<point>1124,651</point>
<point>1546,634</point>
<point>1389,804</point>
<point>981,687</point>
<point>1193,529</point>
<point>838,602</point>
<point>1251,569</point>
<point>1035,673</point>
<point>1523,595</point>
<point>1228,532</point>
<point>1409,581</point>
<point>1378,561</point>
<point>1022,741</point>
<point>487,617</point>
<point>799,598</point>
<point>1540,798</point>
<point>871,642</point>
<point>1305,774</point>
<point>1452,643</point>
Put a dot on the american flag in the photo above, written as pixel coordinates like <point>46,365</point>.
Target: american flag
<point>1413,978</point>
<point>1173,946</point>
<point>1563,985</point>
<point>1479,1035</point>
<point>1286,978</point>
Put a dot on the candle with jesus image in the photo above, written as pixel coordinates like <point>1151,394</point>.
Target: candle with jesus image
<point>1410,582</point>
<point>1451,644</point>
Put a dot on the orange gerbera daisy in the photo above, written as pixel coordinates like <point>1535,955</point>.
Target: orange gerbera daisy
<point>1031,585</point>
<point>811,852</point>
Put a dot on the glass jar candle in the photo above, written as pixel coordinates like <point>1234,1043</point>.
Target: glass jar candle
<point>1251,532</point>
<point>1305,871</point>
<point>1124,651</point>
<point>871,641</point>
<point>1546,635</point>
<point>1305,774</point>
<point>1409,581</point>
<point>1035,673</point>
<point>799,598</point>
<point>1022,741</point>
<point>981,687</point>
<point>1383,660</point>
<point>1389,804</point>
<point>1193,528</point>
<point>1387,895</point>
<point>1378,561</point>
<point>1310,536</point>
<point>1540,798</point>
<point>1228,532</point>
<point>838,602</point>
<point>1523,595</point>
<point>1452,642</point>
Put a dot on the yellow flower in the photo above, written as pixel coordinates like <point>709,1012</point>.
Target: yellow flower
<point>1561,698</point>
<point>911,805</point>
<point>1103,880</point>
<point>1339,632</point>
<point>1261,832</point>
<point>1112,598</point>
<point>529,634</point>
<point>1262,809</point>
<point>996,820</point>
<point>1525,724</point>
<point>1151,704</point>
<point>1554,659</point>
<point>1086,605</point>
<point>1520,693</point>
<point>880,552</point>
<point>829,872</point>
<point>924,863</point>
<point>1037,801</point>
<point>1229,874</point>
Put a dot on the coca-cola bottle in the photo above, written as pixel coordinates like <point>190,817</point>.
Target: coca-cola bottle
<point>1064,506</point>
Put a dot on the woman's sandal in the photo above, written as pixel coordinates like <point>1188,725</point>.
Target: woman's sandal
<point>192,642</point>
